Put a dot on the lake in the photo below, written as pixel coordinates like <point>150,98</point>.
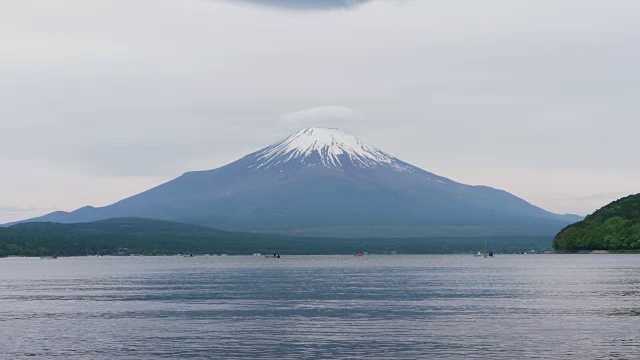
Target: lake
<point>383,307</point>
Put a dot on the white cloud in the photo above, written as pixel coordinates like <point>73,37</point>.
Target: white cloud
<point>327,116</point>
<point>17,209</point>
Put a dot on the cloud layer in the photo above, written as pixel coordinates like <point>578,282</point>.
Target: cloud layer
<point>14,213</point>
<point>307,4</point>
<point>322,116</point>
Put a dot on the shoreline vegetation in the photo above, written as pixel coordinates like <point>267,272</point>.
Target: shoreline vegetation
<point>127,236</point>
<point>192,255</point>
<point>596,252</point>
<point>613,228</point>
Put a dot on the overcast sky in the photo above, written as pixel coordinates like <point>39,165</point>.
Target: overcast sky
<point>100,100</point>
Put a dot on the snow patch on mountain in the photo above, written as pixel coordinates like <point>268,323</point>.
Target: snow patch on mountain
<point>326,147</point>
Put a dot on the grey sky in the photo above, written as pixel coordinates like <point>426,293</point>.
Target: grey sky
<point>104,99</point>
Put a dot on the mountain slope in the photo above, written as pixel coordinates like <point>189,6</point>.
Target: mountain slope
<point>325,181</point>
<point>613,227</point>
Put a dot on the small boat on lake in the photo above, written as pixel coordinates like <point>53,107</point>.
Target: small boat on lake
<point>274,256</point>
<point>484,252</point>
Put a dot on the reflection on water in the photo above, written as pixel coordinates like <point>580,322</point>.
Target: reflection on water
<point>384,307</point>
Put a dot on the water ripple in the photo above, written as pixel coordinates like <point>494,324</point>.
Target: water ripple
<point>382,307</point>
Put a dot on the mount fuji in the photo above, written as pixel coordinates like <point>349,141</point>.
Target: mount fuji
<point>326,182</point>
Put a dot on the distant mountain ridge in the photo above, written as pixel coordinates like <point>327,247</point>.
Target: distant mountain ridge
<point>322,181</point>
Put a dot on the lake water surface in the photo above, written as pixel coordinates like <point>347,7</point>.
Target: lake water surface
<point>382,307</point>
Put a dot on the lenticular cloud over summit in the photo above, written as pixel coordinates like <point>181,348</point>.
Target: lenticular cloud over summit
<point>308,4</point>
<point>322,114</point>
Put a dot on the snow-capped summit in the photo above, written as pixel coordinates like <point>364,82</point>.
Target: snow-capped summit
<point>328,147</point>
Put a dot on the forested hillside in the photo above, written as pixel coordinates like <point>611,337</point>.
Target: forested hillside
<point>614,227</point>
<point>152,237</point>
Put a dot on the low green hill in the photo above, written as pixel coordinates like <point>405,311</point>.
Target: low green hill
<point>614,227</point>
<point>152,237</point>
<point>114,235</point>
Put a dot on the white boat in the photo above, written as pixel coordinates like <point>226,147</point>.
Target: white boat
<point>484,252</point>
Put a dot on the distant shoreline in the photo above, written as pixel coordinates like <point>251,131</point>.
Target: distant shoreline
<point>284,256</point>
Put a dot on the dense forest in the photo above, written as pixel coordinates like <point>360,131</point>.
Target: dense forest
<point>152,237</point>
<point>615,227</point>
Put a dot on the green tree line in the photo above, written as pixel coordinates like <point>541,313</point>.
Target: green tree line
<point>614,227</point>
<point>151,237</point>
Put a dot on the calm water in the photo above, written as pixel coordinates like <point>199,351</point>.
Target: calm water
<point>533,306</point>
